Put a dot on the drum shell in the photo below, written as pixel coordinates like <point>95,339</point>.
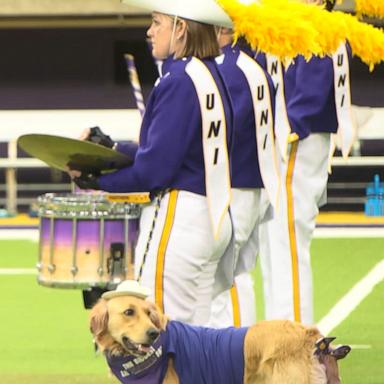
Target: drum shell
<point>85,241</point>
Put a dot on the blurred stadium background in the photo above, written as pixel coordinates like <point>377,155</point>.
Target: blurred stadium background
<point>62,70</point>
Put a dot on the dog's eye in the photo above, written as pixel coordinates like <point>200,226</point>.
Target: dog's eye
<point>129,312</point>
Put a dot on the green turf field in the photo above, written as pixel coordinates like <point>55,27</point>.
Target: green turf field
<point>45,338</point>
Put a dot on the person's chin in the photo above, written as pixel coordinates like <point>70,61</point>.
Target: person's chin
<point>158,56</point>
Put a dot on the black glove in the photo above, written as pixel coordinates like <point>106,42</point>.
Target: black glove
<point>87,181</point>
<point>97,136</point>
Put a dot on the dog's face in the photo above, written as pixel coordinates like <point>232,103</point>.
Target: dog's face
<point>126,325</point>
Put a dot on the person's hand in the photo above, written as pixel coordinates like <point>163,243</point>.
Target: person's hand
<point>73,173</point>
<point>83,180</point>
<point>97,136</point>
<point>85,134</point>
<point>86,181</point>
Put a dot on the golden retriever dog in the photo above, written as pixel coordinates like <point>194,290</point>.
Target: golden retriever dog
<point>142,346</point>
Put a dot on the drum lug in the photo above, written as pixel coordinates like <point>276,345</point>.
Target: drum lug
<point>100,271</point>
<point>74,270</point>
<point>51,268</point>
<point>39,266</point>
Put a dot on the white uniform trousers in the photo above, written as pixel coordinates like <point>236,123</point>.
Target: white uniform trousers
<point>237,306</point>
<point>285,240</point>
<point>182,257</point>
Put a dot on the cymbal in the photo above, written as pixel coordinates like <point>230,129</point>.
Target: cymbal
<point>63,153</point>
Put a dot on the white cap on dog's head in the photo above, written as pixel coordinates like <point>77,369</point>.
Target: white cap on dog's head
<point>128,288</point>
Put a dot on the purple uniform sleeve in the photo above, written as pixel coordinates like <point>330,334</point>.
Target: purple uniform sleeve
<point>129,148</point>
<point>309,88</point>
<point>166,134</point>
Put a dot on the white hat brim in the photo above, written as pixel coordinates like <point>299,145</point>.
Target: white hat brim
<point>128,288</point>
<point>203,11</point>
<point>112,294</point>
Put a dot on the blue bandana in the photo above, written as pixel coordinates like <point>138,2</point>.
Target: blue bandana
<point>147,369</point>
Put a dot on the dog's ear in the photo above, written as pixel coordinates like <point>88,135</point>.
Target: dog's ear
<point>323,344</point>
<point>341,351</point>
<point>98,318</point>
<point>157,317</point>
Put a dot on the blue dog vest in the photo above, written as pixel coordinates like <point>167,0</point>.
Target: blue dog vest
<point>201,355</point>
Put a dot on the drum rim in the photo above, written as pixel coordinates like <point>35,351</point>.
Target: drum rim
<point>85,206</point>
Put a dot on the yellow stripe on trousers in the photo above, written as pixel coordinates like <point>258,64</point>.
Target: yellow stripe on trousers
<point>235,306</point>
<point>292,232</point>
<point>169,219</point>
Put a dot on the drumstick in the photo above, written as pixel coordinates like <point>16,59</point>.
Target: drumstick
<point>135,82</point>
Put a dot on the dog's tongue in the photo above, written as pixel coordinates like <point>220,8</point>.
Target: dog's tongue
<point>144,348</point>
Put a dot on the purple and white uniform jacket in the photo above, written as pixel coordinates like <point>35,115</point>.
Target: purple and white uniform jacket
<point>310,96</point>
<point>201,355</point>
<point>245,170</point>
<point>170,151</point>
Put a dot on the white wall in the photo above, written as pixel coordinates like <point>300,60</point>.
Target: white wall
<point>119,124</point>
<point>370,122</point>
<point>63,7</point>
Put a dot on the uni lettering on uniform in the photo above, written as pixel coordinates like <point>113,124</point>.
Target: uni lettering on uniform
<point>216,156</point>
<point>342,100</point>
<point>341,82</point>
<point>264,117</point>
<point>210,101</point>
<point>214,127</point>
<point>342,78</point>
<point>265,142</point>
<point>260,92</point>
<point>274,68</point>
<point>340,60</point>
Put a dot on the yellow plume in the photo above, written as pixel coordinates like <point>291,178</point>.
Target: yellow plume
<point>287,28</point>
<point>372,8</point>
<point>367,42</point>
<point>273,29</point>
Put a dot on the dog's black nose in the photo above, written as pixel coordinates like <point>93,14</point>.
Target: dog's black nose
<point>153,333</point>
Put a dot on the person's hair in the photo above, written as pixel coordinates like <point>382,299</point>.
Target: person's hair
<point>330,4</point>
<point>200,41</point>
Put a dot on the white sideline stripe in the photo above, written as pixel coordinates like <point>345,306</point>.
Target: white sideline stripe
<point>19,234</point>
<point>361,346</point>
<point>18,271</point>
<point>323,233</point>
<point>352,299</point>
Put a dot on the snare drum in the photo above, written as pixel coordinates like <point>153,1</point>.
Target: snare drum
<point>86,240</point>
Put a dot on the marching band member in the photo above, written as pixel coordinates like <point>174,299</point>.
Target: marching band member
<point>249,205</point>
<point>182,160</point>
<point>318,104</point>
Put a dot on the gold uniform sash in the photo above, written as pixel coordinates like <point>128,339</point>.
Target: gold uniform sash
<point>216,160</point>
<point>265,141</point>
<point>346,130</point>
<point>282,126</point>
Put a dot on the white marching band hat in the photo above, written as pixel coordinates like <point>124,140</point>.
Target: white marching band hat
<point>128,288</point>
<point>203,11</point>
